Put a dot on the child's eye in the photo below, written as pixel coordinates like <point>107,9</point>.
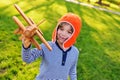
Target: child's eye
<point>70,32</point>
<point>61,29</point>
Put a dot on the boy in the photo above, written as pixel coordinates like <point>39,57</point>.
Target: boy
<point>61,62</point>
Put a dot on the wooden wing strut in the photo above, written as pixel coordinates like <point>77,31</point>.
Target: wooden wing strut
<point>30,31</point>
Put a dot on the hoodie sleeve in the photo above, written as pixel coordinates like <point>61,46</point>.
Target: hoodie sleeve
<point>73,69</point>
<point>29,55</point>
<point>72,73</point>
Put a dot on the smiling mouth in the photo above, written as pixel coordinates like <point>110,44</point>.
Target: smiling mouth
<point>62,38</point>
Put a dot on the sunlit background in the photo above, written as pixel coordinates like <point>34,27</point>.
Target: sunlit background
<point>98,42</point>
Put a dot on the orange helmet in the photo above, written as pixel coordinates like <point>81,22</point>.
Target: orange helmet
<point>75,22</point>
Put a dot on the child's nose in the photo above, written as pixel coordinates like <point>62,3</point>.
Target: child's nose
<point>64,33</point>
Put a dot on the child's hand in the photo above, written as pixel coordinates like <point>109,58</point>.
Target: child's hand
<point>26,42</point>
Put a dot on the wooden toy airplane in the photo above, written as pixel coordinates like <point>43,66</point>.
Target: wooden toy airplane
<point>30,31</point>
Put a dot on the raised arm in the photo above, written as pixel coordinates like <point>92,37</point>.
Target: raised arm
<point>29,55</point>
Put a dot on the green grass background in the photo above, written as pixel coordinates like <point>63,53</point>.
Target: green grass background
<point>98,42</point>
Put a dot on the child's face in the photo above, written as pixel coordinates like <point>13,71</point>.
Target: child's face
<point>63,33</point>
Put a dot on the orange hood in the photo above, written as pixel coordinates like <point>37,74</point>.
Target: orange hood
<point>75,22</point>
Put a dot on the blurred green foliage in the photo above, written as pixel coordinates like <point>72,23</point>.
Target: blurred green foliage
<point>98,42</point>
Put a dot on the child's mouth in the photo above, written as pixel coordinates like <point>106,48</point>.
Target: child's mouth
<point>62,38</point>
